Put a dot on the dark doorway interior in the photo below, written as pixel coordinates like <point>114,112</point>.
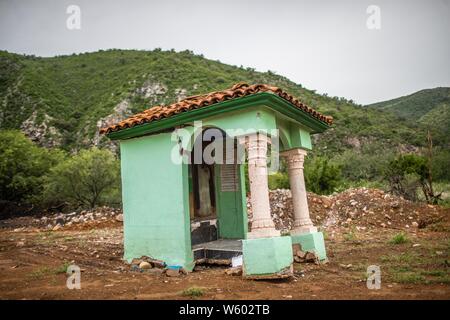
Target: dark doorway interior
<point>203,200</point>
<point>203,191</point>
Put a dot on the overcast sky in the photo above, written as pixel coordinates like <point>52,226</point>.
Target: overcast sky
<point>325,46</point>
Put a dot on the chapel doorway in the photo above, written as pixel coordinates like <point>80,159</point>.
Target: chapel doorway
<point>218,209</point>
<point>202,195</point>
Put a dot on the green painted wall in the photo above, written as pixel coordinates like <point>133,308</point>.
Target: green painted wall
<point>266,255</point>
<point>293,134</point>
<point>259,118</point>
<point>250,120</point>
<point>231,208</point>
<point>155,201</point>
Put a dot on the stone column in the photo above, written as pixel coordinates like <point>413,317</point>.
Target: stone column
<point>262,225</point>
<point>302,222</point>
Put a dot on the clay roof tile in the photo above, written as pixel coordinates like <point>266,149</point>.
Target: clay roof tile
<point>240,89</point>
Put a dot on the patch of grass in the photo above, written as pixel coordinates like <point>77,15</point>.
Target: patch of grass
<point>362,276</point>
<point>360,267</point>
<point>397,269</point>
<point>435,276</point>
<point>350,236</point>
<point>68,238</point>
<point>193,292</point>
<point>399,238</point>
<point>409,277</point>
<point>39,273</point>
<point>403,258</point>
<point>46,238</point>
<point>445,279</point>
<point>62,268</point>
<point>445,203</point>
<point>46,235</point>
<point>46,270</point>
<point>434,273</point>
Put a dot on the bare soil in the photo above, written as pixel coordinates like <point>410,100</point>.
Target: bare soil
<point>33,263</point>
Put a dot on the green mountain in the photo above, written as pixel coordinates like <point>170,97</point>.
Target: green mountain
<point>429,107</point>
<point>62,101</point>
<point>416,105</point>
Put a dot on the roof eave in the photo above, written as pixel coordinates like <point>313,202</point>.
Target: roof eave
<point>263,98</point>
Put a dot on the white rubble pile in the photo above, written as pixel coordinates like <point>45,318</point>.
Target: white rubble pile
<point>57,221</point>
<point>361,208</point>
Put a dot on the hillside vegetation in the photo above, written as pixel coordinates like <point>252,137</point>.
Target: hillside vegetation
<point>429,107</point>
<point>61,102</point>
<point>71,93</point>
<point>416,105</point>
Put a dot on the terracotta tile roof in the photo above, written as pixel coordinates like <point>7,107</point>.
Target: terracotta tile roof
<point>204,100</point>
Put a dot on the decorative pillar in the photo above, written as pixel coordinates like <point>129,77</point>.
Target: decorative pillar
<point>266,255</point>
<point>262,225</point>
<point>302,222</point>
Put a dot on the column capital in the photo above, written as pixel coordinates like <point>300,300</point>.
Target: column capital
<point>295,158</point>
<point>256,137</point>
<point>294,152</point>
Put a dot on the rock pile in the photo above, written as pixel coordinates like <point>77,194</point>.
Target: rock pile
<point>280,208</point>
<point>100,214</point>
<point>365,208</point>
<point>360,208</point>
<point>73,220</point>
<point>301,256</point>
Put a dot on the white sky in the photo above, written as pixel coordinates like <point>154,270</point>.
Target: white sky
<point>324,46</point>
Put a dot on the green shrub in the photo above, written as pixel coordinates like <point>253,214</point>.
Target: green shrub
<point>322,177</point>
<point>440,165</point>
<point>278,180</point>
<point>406,173</point>
<point>23,166</point>
<point>366,164</point>
<point>87,179</point>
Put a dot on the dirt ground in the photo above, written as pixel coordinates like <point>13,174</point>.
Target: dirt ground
<point>33,264</point>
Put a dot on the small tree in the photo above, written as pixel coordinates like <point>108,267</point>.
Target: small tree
<point>321,176</point>
<point>84,180</point>
<point>417,169</point>
<point>426,180</point>
<point>23,166</point>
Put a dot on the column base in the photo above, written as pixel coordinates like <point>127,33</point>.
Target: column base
<point>303,229</point>
<point>263,233</point>
<point>312,241</point>
<point>267,257</point>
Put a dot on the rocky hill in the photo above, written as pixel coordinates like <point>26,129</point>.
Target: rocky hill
<point>62,101</point>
